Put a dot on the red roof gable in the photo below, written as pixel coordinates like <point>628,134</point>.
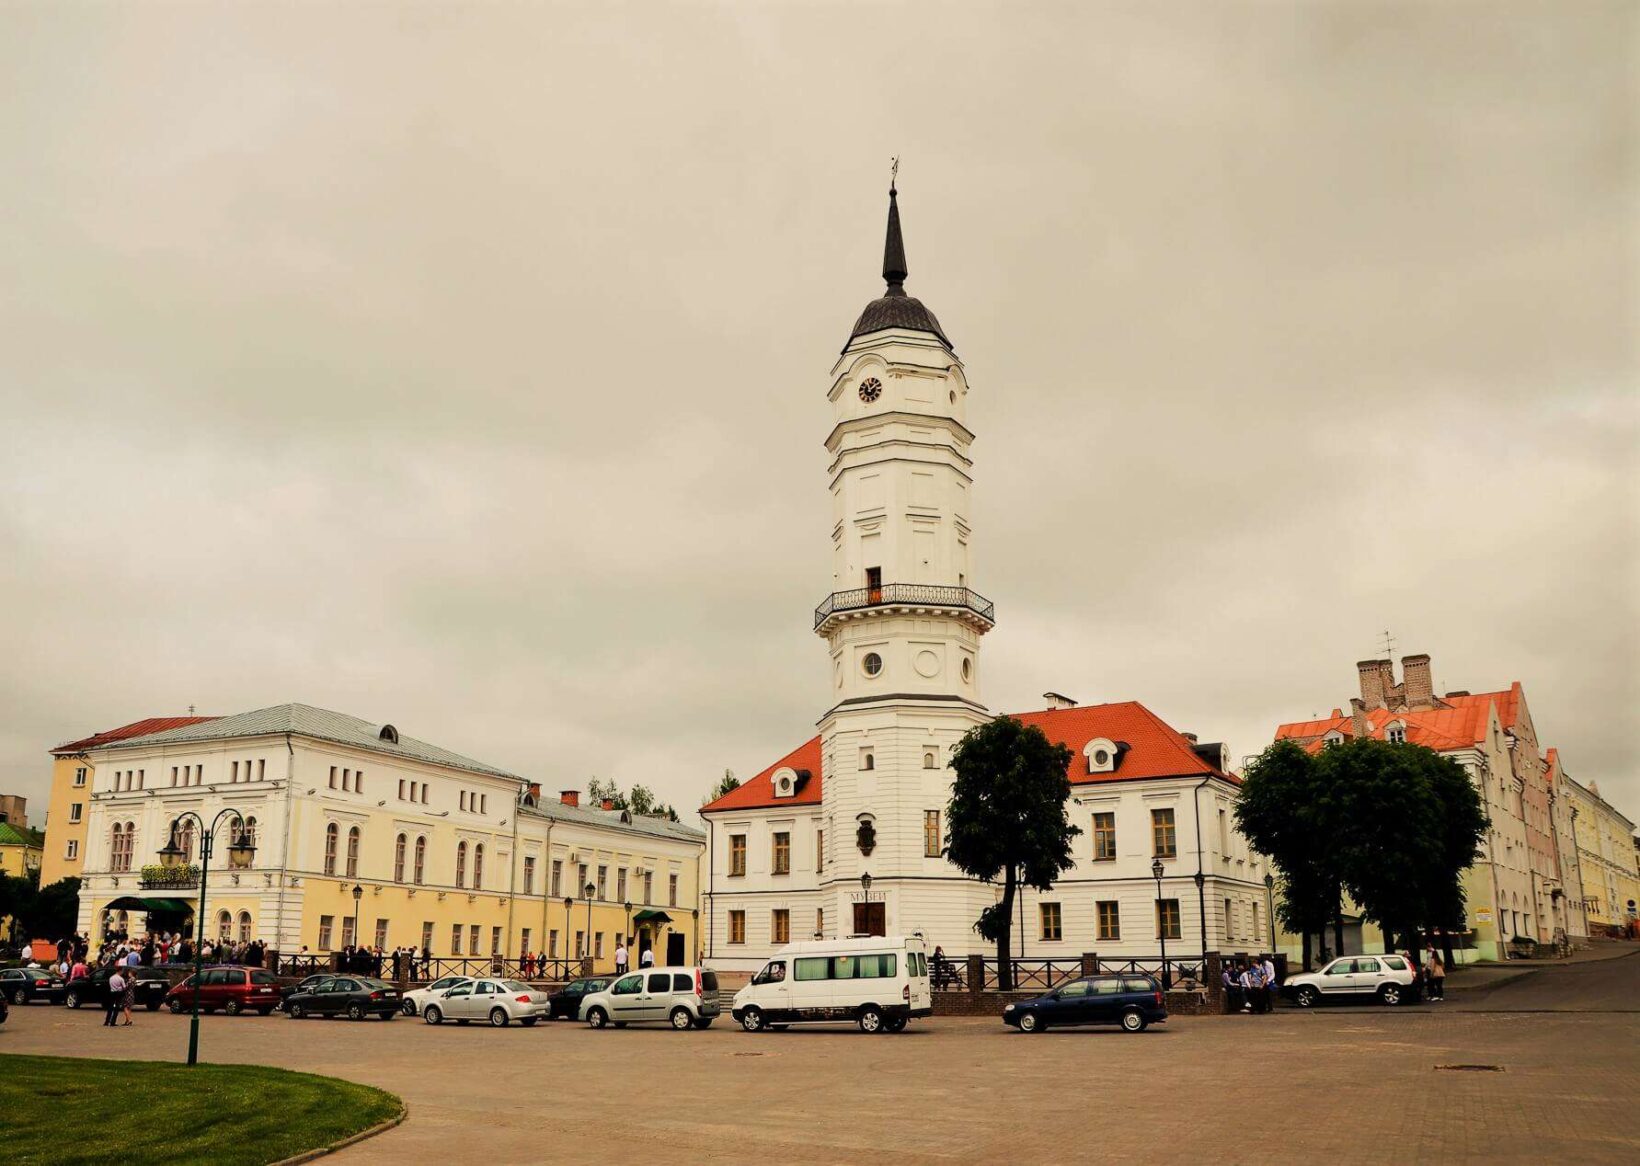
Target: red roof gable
<point>126,732</point>
<point>1438,729</point>
<point>1153,750</point>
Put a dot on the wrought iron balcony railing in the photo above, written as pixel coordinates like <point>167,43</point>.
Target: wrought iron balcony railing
<point>905,595</point>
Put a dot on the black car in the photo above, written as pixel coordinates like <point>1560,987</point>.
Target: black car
<point>566,1002</point>
<point>148,987</point>
<point>354,997</point>
<point>22,985</point>
<point>289,990</point>
<point>1134,1002</point>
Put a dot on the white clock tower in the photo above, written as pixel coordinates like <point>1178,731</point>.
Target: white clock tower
<point>902,622</point>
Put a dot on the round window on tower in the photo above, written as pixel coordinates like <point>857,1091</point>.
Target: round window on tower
<point>871,664</point>
<point>967,669</point>
<point>870,389</point>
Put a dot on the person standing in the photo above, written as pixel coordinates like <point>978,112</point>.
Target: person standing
<point>116,998</point>
<point>1232,987</point>
<point>1269,983</point>
<point>647,958</point>
<point>620,957</point>
<point>1435,972</point>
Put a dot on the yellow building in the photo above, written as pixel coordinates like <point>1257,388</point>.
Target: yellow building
<point>66,816</point>
<point>367,837</point>
<point>1607,856</point>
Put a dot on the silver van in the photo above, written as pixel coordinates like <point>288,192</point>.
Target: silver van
<point>682,997</point>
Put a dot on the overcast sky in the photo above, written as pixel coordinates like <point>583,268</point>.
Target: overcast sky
<point>465,368</point>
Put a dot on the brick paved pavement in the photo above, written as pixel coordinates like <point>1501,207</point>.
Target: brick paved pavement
<point>1339,1085</point>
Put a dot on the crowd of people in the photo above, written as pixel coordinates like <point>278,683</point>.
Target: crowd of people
<point>1250,985</point>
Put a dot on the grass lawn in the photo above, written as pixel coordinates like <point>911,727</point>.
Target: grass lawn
<point>66,1110</point>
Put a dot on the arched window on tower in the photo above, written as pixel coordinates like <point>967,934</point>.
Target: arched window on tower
<point>421,859</point>
<point>930,761</point>
<point>244,927</point>
<point>478,866</point>
<point>353,853</point>
<point>332,832</point>
<point>461,865</point>
<point>398,858</point>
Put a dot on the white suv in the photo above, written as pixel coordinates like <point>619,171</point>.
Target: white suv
<point>682,997</point>
<point>1391,978</point>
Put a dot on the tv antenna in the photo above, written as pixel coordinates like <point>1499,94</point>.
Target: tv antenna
<point>1389,644</point>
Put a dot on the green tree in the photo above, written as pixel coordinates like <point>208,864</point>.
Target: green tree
<point>599,792</point>
<point>1286,813</point>
<point>55,909</point>
<point>1007,819</point>
<point>17,900</point>
<point>725,784</point>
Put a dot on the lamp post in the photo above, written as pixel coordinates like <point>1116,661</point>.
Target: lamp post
<point>358,893</point>
<point>865,899</point>
<point>1270,907</point>
<point>1201,909</point>
<point>240,853</point>
<point>1156,869</point>
<point>590,890</point>
<point>628,931</point>
<point>569,902</point>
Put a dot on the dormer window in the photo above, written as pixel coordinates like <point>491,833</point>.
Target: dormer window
<point>1395,732</point>
<point>1332,738</point>
<point>1101,755</point>
<point>785,782</point>
<point>388,734</point>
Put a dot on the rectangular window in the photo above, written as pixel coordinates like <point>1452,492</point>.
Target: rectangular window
<point>233,773</point>
<point>552,944</point>
<point>261,768</point>
<point>603,882</point>
<point>529,877</point>
<point>332,777</point>
<point>1104,837</point>
<point>524,941</point>
<point>580,880</point>
<point>1229,919</point>
<point>464,801</point>
<point>580,945</point>
<point>75,811</point>
<point>780,925</point>
<point>495,941</point>
<point>812,968</point>
<point>931,834</point>
<point>598,945</point>
<point>347,931</point>
<point>620,884</point>
<point>381,933</point>
<point>79,776</point>
<point>472,939</point>
<point>326,922</point>
<point>819,852</point>
<point>648,887</point>
<point>782,852</point>
<point>1110,919</point>
<point>358,781</point>
<point>671,890</point>
<point>1167,919</point>
<point>401,789</point>
<point>1224,833</point>
<point>820,921</point>
<point>557,877</point>
<point>737,927</point>
<point>737,854</point>
<point>1051,926</point>
<point>173,776</point>
<point>1257,930</point>
<point>1163,838</point>
<point>455,939</point>
<point>426,937</point>
<point>73,848</point>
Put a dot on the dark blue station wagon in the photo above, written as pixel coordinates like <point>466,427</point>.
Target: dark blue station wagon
<point>1134,1002</point>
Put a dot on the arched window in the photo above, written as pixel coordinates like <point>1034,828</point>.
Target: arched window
<point>421,858</point>
<point>928,760</point>
<point>224,925</point>
<point>478,866</point>
<point>398,859</point>
<point>244,927</point>
<point>250,831</point>
<point>461,865</point>
<point>120,849</point>
<point>870,762</point>
<point>353,853</point>
<point>331,833</point>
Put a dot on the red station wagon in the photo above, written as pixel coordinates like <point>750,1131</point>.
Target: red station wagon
<point>231,989</point>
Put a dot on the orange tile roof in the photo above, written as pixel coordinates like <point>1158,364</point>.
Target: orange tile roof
<point>1153,750</point>
<point>126,732</point>
<point>1438,729</point>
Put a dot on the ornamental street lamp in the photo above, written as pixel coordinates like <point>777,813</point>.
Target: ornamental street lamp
<point>569,902</point>
<point>1270,907</point>
<point>590,889</point>
<point>628,931</point>
<point>358,893</point>
<point>1201,909</point>
<point>1156,869</point>
<point>241,851</point>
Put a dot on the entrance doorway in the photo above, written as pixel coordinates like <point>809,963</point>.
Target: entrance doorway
<point>675,957</point>
<point>870,919</point>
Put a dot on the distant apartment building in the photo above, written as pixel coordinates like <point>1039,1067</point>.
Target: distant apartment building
<point>1606,852</point>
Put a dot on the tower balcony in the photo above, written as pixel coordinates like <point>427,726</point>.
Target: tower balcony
<point>906,599</point>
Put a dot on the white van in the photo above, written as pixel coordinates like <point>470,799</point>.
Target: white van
<point>879,982</point>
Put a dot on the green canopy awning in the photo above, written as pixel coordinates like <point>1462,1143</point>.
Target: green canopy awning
<point>138,903</point>
<point>647,916</point>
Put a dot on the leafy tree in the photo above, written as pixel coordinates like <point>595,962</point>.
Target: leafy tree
<point>1007,819</point>
<point>1286,813</point>
<point>725,784</point>
<point>599,791</point>
<point>16,898</point>
<point>55,909</point>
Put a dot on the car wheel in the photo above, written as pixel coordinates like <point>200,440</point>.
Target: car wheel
<point>752,1020</point>
<point>1133,1021</point>
<point>499,1018</point>
<point>871,1019</point>
<point>72,1000</point>
<point>431,1014</point>
<point>232,1007</point>
<point>264,1012</point>
<point>293,1010</point>
<point>597,1018</point>
<point>409,1007</point>
<point>704,1022</point>
<point>153,1006</point>
<point>681,1020</point>
<point>1306,997</point>
<point>1031,1022</point>
<point>19,996</point>
<point>355,1012</point>
<point>1391,994</point>
<point>895,1024</point>
<point>529,1021</point>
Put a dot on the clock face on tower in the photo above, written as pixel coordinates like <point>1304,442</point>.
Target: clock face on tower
<point>870,389</point>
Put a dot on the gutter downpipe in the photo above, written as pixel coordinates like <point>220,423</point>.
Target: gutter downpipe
<point>512,867</point>
<point>1201,879</point>
<point>284,850</point>
<point>711,883</point>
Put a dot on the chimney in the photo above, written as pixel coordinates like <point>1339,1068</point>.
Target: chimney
<point>535,791</point>
<point>1191,737</point>
<point>1358,716</point>
<point>1374,687</point>
<point>607,804</point>
<point>1058,700</point>
<point>1459,692</point>
<point>1418,689</point>
<point>569,797</point>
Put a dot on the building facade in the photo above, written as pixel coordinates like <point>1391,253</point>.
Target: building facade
<point>67,812</point>
<point>845,835</point>
<point>367,837</point>
<point>1610,886</point>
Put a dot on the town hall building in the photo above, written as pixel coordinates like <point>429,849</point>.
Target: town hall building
<point>846,834</point>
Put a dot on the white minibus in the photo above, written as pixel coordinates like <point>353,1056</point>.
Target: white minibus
<point>878,982</point>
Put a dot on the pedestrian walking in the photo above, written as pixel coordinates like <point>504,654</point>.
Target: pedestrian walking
<point>1435,972</point>
<point>647,959</point>
<point>116,998</point>
<point>620,957</point>
<point>1270,984</point>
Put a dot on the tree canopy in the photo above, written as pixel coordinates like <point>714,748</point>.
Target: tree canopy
<point>725,784</point>
<point>640,799</point>
<point>1007,819</point>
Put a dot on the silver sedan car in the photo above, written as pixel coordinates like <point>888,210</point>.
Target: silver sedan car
<point>497,1002</point>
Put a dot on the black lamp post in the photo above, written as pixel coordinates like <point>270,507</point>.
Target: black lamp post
<point>1270,907</point>
<point>865,898</point>
<point>590,889</point>
<point>241,851</point>
<point>569,902</point>
<point>1156,869</point>
<point>358,893</point>
<point>1201,909</point>
<point>628,931</point>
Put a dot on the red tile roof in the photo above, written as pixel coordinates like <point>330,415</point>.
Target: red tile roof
<point>126,732</point>
<point>1438,729</point>
<point>1153,750</point>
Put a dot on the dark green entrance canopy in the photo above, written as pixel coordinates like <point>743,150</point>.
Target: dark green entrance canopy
<point>136,903</point>
<point>647,916</point>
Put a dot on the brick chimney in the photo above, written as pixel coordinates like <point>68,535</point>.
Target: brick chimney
<point>1417,687</point>
<point>569,797</point>
<point>535,791</point>
<point>1358,714</point>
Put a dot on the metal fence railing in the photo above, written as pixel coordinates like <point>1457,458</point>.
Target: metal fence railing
<point>955,973</point>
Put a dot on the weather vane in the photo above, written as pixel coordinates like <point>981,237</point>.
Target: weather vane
<point>893,171</point>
